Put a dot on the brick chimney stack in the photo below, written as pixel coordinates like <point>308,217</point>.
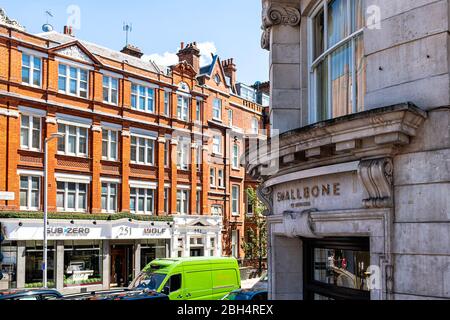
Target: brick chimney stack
<point>230,70</point>
<point>132,51</point>
<point>191,54</point>
<point>68,31</point>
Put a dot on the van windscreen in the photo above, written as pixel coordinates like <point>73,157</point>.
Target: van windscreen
<point>148,280</point>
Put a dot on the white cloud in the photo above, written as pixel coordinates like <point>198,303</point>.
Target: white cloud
<point>170,58</point>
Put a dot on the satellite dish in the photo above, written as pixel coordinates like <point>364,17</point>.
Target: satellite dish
<point>47,27</point>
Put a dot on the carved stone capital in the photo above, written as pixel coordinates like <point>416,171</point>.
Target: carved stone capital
<point>299,224</point>
<point>377,178</point>
<point>265,194</point>
<point>277,14</point>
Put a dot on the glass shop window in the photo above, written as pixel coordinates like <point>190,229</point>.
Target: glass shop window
<point>82,264</point>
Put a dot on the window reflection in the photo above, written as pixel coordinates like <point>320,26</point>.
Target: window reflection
<point>342,268</point>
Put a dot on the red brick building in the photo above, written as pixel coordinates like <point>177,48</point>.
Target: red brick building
<point>158,146</point>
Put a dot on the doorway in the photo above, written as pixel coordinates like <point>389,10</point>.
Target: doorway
<point>121,266</point>
<point>197,252</point>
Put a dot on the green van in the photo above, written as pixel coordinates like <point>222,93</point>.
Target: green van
<point>190,278</point>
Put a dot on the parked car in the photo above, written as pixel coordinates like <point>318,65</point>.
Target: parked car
<point>30,295</point>
<point>262,284</point>
<point>190,278</point>
<point>247,295</point>
<point>118,295</point>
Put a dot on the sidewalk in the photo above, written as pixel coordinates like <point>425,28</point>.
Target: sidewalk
<point>248,284</point>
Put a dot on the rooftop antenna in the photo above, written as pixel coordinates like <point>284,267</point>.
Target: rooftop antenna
<point>127,27</point>
<point>47,27</point>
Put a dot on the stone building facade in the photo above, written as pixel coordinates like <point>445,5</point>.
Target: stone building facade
<point>148,164</point>
<point>357,178</point>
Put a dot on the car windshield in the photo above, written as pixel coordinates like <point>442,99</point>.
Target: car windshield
<point>237,296</point>
<point>148,280</point>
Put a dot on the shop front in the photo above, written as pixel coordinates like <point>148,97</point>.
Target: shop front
<point>82,256</point>
<point>197,236</point>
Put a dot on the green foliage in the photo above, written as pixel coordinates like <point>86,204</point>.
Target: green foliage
<point>83,216</point>
<point>255,242</point>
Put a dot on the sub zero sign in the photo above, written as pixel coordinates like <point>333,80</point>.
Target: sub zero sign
<point>68,231</point>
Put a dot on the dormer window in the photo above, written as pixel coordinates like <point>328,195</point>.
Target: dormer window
<point>337,66</point>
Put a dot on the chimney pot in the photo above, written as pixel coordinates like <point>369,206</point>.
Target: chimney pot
<point>68,30</point>
<point>182,45</point>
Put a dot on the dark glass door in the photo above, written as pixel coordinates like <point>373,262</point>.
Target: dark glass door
<point>121,265</point>
<point>336,269</point>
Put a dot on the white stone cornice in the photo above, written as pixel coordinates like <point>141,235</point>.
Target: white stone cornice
<point>51,120</point>
<point>96,128</point>
<point>162,140</point>
<point>126,133</point>
<point>9,113</point>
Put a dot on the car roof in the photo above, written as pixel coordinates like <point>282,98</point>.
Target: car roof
<point>18,293</point>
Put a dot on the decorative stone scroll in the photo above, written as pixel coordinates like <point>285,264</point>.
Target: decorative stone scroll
<point>265,194</point>
<point>276,14</point>
<point>377,178</point>
<point>5,20</point>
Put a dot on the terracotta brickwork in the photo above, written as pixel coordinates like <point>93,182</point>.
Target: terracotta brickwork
<point>51,105</point>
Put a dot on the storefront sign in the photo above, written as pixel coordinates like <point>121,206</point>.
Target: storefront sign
<point>23,230</point>
<point>332,192</point>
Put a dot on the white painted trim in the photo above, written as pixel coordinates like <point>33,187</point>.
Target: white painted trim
<point>64,177</point>
<point>74,63</point>
<point>34,173</point>
<point>32,52</point>
<point>183,187</point>
<point>316,172</point>
<point>143,83</point>
<point>32,111</point>
<point>111,74</point>
<point>73,120</point>
<point>142,133</point>
<point>110,180</point>
<point>143,184</point>
<point>111,126</point>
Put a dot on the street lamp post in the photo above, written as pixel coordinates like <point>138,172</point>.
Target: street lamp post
<point>47,140</point>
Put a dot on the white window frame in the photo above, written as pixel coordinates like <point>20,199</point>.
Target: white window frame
<point>249,205</point>
<point>110,89</point>
<point>29,191</point>
<point>30,132</point>
<point>110,142</point>
<point>183,155</point>
<point>109,187</point>
<point>198,111</point>
<point>77,194</point>
<point>313,114</point>
<point>217,109</point>
<point>31,70</point>
<point>167,153</point>
<point>146,108</point>
<point>220,178</point>
<point>217,145</point>
<point>182,202</point>
<point>77,142</point>
<point>233,199</point>
<point>212,177</point>
<point>166,200</point>
<point>77,79</point>
<point>255,125</point>
<point>167,96</point>
<point>230,118</point>
<point>147,211</point>
<point>234,243</point>
<point>217,210</point>
<point>235,157</point>
<point>149,143</point>
<point>183,108</point>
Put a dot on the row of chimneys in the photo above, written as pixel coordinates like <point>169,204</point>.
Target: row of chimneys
<point>189,53</point>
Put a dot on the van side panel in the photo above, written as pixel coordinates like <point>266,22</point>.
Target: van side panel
<point>198,282</point>
<point>226,278</point>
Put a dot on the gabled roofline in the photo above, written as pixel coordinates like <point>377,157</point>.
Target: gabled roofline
<point>79,45</point>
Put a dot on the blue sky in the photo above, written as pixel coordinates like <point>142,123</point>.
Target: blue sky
<point>230,28</point>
